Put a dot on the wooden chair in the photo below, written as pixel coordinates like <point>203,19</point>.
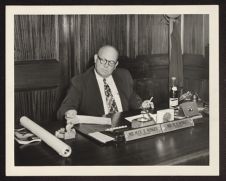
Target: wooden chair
<point>150,74</point>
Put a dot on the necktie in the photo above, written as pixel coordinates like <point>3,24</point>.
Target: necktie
<point>112,107</point>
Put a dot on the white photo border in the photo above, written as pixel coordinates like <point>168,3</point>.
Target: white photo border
<point>212,169</point>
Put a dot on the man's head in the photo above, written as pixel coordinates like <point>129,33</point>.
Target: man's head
<point>106,60</point>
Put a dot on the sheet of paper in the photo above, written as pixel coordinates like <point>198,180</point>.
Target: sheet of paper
<point>101,137</point>
<point>139,116</point>
<point>93,120</point>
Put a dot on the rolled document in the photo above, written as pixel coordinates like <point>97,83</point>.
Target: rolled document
<point>59,146</point>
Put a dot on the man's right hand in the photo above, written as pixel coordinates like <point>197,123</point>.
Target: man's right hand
<point>71,117</point>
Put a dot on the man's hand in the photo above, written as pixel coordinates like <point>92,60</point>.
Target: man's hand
<point>71,117</point>
<point>146,104</point>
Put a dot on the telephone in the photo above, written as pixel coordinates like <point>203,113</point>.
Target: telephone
<point>189,109</point>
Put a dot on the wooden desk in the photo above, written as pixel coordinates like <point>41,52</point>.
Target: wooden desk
<point>189,146</point>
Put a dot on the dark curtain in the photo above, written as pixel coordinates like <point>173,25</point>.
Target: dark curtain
<point>176,63</point>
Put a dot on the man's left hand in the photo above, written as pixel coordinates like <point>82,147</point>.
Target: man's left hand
<point>147,104</point>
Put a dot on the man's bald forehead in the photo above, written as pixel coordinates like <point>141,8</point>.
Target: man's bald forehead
<point>108,49</point>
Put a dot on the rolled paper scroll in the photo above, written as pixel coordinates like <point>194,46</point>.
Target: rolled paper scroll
<point>59,146</point>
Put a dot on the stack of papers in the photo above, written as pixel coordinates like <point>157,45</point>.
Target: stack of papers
<point>93,120</point>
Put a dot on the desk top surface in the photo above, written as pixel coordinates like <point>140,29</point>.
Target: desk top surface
<point>166,149</point>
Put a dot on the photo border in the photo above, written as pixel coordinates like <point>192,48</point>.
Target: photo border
<point>213,169</point>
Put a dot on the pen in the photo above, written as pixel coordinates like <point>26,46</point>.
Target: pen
<point>151,98</point>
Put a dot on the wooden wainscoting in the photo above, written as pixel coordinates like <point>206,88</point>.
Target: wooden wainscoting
<point>196,75</point>
<point>36,89</point>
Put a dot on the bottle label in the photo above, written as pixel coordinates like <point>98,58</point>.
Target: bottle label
<point>174,88</point>
<point>173,102</point>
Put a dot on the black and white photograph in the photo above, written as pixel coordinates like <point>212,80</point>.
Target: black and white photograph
<point>112,90</point>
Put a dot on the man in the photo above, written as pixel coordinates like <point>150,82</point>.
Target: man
<point>101,90</point>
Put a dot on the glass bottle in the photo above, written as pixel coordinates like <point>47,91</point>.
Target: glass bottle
<point>173,94</point>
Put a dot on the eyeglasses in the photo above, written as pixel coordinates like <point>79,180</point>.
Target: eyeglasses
<point>111,63</point>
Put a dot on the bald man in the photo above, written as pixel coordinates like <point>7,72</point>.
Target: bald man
<point>101,90</point>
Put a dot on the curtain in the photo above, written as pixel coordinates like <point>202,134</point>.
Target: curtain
<point>176,63</point>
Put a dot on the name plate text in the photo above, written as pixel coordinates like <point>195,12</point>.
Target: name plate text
<point>175,125</point>
<point>142,132</point>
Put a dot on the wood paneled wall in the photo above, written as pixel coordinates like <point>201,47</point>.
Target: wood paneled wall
<point>39,105</point>
<point>35,37</point>
<point>196,75</point>
<point>77,37</point>
<point>152,35</point>
<point>196,33</point>
<point>107,29</point>
<point>73,39</point>
<point>36,89</point>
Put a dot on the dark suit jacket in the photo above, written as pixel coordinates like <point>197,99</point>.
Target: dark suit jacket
<point>85,97</point>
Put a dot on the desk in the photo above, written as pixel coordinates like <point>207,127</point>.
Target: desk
<point>189,146</point>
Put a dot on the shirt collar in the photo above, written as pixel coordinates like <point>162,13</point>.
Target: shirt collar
<point>101,78</point>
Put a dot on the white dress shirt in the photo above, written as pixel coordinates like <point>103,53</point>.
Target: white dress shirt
<point>110,81</point>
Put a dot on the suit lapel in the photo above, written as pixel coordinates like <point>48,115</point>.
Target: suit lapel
<point>97,95</point>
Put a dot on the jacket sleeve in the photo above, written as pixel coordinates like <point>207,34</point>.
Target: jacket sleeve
<point>72,99</point>
<point>134,99</point>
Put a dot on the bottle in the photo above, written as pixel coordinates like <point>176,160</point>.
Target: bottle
<point>173,94</point>
<point>195,97</point>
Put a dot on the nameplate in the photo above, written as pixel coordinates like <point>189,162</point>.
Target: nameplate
<point>142,132</point>
<point>175,125</point>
